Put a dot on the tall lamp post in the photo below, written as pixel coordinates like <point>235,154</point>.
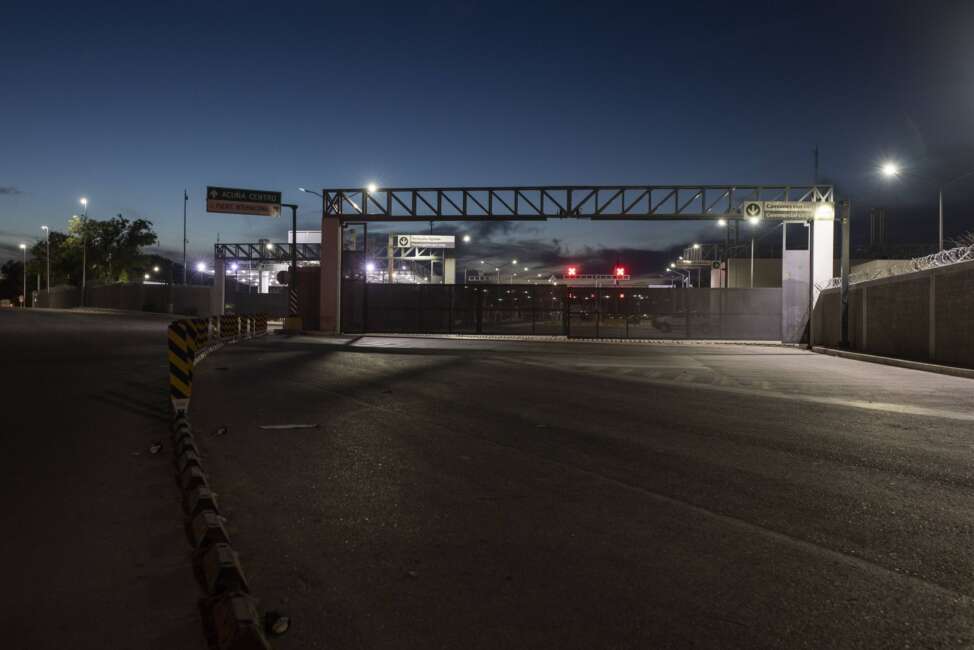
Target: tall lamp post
<point>84,247</point>
<point>47,232</point>
<point>892,170</point>
<point>23,298</point>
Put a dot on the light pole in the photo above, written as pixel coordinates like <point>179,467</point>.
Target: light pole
<point>47,232</point>
<point>892,170</point>
<point>84,247</point>
<point>23,298</point>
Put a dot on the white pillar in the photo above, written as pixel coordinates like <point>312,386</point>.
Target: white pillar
<point>217,298</point>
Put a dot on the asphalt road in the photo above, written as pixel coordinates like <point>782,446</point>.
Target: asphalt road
<point>93,550</point>
<point>461,494</point>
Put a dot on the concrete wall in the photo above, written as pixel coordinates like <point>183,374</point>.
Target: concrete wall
<point>925,316</point>
<point>164,299</point>
<point>767,273</point>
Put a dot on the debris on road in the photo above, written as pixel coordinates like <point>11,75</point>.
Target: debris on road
<point>276,624</point>
<point>221,431</point>
<point>155,447</point>
<point>288,426</point>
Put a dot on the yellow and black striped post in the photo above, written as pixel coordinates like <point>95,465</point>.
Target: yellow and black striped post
<point>229,326</point>
<point>182,352</point>
<point>201,329</point>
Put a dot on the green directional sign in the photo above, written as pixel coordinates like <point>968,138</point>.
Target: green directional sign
<point>234,200</point>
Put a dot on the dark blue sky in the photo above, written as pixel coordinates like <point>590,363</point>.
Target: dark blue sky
<point>129,103</point>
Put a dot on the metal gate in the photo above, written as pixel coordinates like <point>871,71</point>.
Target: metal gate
<point>578,312</point>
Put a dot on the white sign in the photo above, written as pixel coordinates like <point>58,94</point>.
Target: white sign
<point>425,241</point>
<point>788,209</point>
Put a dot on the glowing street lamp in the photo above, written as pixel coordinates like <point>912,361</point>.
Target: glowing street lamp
<point>722,223</point>
<point>23,302</point>
<point>466,239</point>
<point>373,188</point>
<point>890,169</point>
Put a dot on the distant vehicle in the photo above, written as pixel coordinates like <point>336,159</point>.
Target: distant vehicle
<point>4,304</point>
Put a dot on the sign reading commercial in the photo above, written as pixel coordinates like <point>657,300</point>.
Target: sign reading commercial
<point>788,210</point>
<point>425,241</point>
<point>233,200</point>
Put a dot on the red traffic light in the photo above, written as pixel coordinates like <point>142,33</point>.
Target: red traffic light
<point>620,271</point>
<point>572,271</point>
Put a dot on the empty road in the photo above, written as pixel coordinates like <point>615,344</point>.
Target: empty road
<point>93,548</point>
<point>478,494</point>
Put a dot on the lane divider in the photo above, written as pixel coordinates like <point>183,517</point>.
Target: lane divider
<point>191,339</point>
<point>229,612</point>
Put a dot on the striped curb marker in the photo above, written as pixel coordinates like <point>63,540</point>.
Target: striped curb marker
<point>231,620</point>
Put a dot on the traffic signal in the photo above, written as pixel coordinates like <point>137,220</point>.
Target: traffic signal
<point>572,271</point>
<point>620,271</point>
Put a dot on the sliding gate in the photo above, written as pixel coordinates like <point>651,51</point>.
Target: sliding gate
<point>582,312</point>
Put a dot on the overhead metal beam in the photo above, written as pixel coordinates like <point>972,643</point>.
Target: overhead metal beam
<point>617,202</point>
<point>257,252</point>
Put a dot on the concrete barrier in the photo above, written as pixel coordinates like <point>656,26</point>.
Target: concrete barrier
<point>230,615</point>
<point>922,316</point>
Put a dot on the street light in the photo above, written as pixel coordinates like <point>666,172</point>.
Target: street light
<point>47,232</point>
<point>23,298</point>
<point>696,247</point>
<point>373,188</point>
<point>84,246</point>
<point>466,239</point>
<point>722,223</point>
<point>146,276</point>
<point>155,269</point>
<point>890,169</point>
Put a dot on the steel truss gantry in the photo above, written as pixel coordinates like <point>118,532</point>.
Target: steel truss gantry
<point>259,252</point>
<point>622,202</point>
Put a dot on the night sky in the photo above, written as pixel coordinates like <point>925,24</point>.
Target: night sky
<point>129,103</point>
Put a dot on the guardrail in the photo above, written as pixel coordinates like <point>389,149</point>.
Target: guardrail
<point>191,339</point>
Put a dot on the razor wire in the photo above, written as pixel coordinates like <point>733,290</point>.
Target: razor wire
<point>936,260</point>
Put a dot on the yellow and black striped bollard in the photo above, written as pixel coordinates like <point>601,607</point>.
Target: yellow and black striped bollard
<point>182,352</point>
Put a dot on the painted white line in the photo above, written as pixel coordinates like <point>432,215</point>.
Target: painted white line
<point>288,426</point>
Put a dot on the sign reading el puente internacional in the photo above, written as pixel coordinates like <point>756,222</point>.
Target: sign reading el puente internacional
<point>233,200</point>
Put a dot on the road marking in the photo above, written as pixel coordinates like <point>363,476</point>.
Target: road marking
<point>288,426</point>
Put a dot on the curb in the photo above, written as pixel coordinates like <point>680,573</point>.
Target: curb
<point>952,371</point>
<point>540,338</point>
<point>229,612</point>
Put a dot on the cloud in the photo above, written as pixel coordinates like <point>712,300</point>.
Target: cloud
<point>9,190</point>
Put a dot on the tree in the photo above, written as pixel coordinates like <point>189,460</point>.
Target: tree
<point>11,280</point>
<point>111,249</point>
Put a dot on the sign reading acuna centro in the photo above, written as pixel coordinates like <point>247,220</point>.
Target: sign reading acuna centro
<point>233,200</point>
